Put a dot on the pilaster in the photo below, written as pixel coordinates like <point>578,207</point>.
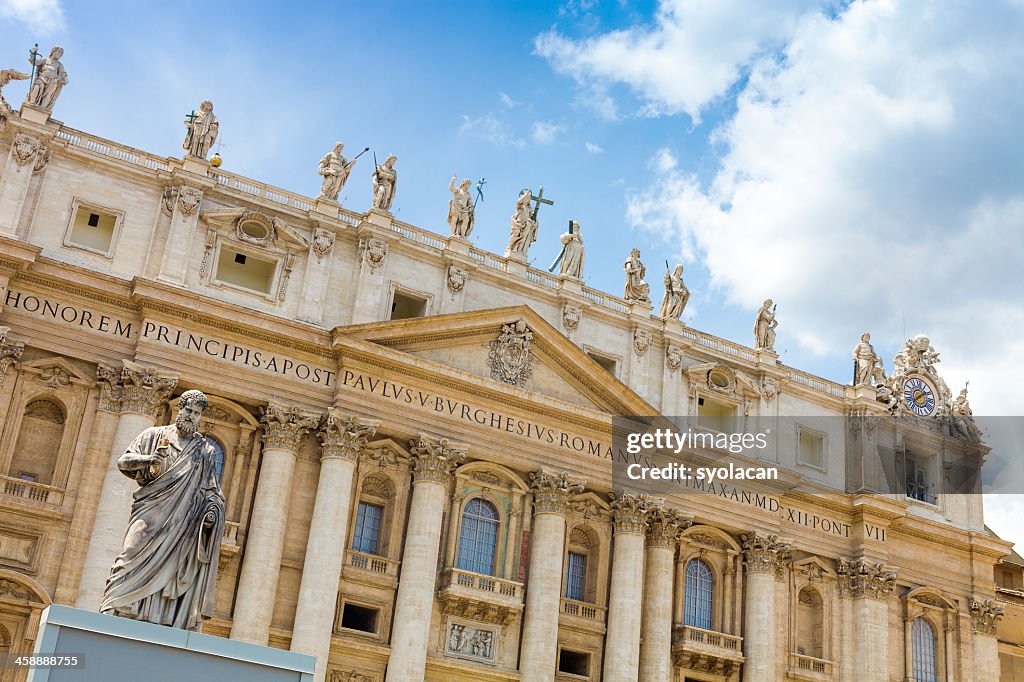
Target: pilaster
<point>317,274</point>
<point>181,201</point>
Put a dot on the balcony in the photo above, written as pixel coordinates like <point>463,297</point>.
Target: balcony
<point>583,615</point>
<point>803,667</point>
<point>31,492</point>
<point>480,597</point>
<point>706,650</point>
<point>370,569</point>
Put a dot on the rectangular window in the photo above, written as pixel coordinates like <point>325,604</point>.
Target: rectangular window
<point>716,416</point>
<point>607,363</point>
<point>918,487</point>
<point>406,306</point>
<point>245,270</point>
<point>575,576</point>
<point>362,618</point>
<point>811,449</point>
<point>368,522</point>
<point>92,229</point>
<point>574,662</point>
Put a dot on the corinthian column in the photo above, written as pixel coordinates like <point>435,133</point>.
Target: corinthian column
<point>664,526</point>
<point>432,467</point>
<point>283,429</point>
<point>342,438</point>
<point>539,653</point>
<point>622,648</point>
<point>138,394</point>
<point>764,557</point>
<point>985,617</point>
<point>869,585</point>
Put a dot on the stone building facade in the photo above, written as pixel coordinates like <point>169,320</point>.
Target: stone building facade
<point>408,498</point>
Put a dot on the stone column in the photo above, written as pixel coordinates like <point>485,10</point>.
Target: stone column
<point>663,530</point>
<point>764,558</point>
<point>869,586</point>
<point>342,439</point>
<point>622,642</point>
<point>432,467</point>
<point>985,617</point>
<point>539,653</point>
<point>283,429</point>
<point>138,393</point>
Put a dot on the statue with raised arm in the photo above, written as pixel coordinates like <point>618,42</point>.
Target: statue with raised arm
<point>385,177</point>
<point>202,131</point>
<point>460,208</point>
<point>764,327</point>
<point>868,366</point>
<point>963,417</point>
<point>334,168</point>
<point>524,228</point>
<point>167,569</point>
<point>6,76</point>
<point>636,289</point>
<point>572,252</point>
<point>50,79</point>
<point>676,294</point>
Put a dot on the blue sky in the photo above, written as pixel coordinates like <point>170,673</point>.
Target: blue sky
<point>858,162</point>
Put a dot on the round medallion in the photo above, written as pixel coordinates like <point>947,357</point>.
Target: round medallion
<point>919,396</point>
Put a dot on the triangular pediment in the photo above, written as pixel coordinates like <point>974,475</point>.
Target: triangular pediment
<point>489,345</point>
<point>269,229</point>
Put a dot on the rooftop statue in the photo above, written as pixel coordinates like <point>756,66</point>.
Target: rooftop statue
<point>334,168</point>
<point>385,178</point>
<point>6,76</point>
<point>868,369</point>
<point>572,252</point>
<point>636,289</point>
<point>202,131</point>
<point>461,210</point>
<point>167,569</point>
<point>50,79</point>
<point>676,294</point>
<point>764,327</point>
<point>524,228</point>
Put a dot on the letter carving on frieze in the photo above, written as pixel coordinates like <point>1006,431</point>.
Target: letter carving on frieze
<point>766,553</point>
<point>861,578</point>
<point>552,491</point>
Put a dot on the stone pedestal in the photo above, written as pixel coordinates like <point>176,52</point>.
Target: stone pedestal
<point>326,207</point>
<point>34,114</point>
<point>378,217</point>
<point>459,245</point>
<point>112,649</point>
<point>195,165</point>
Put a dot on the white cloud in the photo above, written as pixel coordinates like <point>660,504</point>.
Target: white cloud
<point>492,130</point>
<point>507,101</point>
<point>545,132</point>
<point>44,17</point>
<point>593,148</point>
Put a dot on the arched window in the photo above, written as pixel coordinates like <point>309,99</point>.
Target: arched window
<point>697,602</point>
<point>478,537</point>
<point>218,458</point>
<point>923,640</point>
<point>5,641</point>
<point>38,444</point>
<point>810,623</point>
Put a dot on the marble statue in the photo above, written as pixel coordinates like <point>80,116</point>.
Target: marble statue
<point>384,180</point>
<point>572,248</point>
<point>524,228</point>
<point>167,568</point>
<point>6,76</point>
<point>963,417</point>
<point>676,295</point>
<point>202,131</point>
<point>50,80</point>
<point>334,168</point>
<point>868,368</point>
<point>461,209</point>
<point>764,327</point>
<point>636,289</point>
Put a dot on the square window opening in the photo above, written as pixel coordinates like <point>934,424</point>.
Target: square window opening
<point>812,449</point>
<point>361,618</point>
<point>608,364</point>
<point>243,270</point>
<point>92,230</point>
<point>406,306</point>
<point>716,416</point>
<point>574,662</point>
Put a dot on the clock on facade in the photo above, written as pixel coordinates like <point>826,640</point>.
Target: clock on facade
<point>919,396</point>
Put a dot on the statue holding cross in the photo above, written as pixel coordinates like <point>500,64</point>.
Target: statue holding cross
<point>202,130</point>
<point>524,224</point>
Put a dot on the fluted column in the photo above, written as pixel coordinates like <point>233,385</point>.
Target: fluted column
<point>138,394</point>
<point>341,438</point>
<point>283,429</point>
<point>985,617</point>
<point>622,643</point>
<point>764,557</point>
<point>869,586</point>
<point>663,528</point>
<point>432,465</point>
<point>539,653</point>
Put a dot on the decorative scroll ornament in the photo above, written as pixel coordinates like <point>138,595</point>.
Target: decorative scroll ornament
<point>286,276</point>
<point>42,159</point>
<point>343,436</point>
<point>284,426</point>
<point>553,490</point>
<point>373,252</point>
<point>55,377</point>
<point>10,352</point>
<point>434,460</point>
<point>642,340</point>
<point>664,526</point>
<point>630,511</point>
<point>511,359</point>
<point>169,198</point>
<point>25,148</point>
<point>134,388</point>
<point>188,200</point>
<point>254,227</point>
<point>765,553</point>
<point>571,316</point>
<point>456,279</point>
<point>673,357</point>
<point>323,241</point>
<point>769,388</point>
<point>985,615</point>
<point>861,578</point>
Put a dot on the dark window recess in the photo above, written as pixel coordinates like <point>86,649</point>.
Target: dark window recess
<point>240,258</point>
<point>574,662</point>
<point>700,401</point>
<point>362,618</point>
<point>94,220</point>
<point>405,307</point>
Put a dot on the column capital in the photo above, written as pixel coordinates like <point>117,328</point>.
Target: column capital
<point>552,490</point>
<point>765,553</point>
<point>629,511</point>
<point>862,578</point>
<point>664,526</point>
<point>434,460</point>
<point>284,425</point>
<point>985,615</point>
<point>343,436</point>
<point>134,388</point>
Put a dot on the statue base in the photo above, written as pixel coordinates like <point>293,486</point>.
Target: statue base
<point>195,165</point>
<point>458,245</point>
<point>34,114</point>
<point>326,207</point>
<point>112,649</point>
<point>378,217</point>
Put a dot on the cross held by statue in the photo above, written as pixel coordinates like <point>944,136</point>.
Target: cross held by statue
<point>539,199</point>
<point>191,118</point>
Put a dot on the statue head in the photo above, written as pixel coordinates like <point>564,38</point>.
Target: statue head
<point>390,161</point>
<point>191,406</point>
<point>634,252</point>
<point>679,270</point>
<point>767,303</point>
<point>57,52</point>
<point>465,184</point>
<point>206,106</point>
<point>865,337</point>
<point>338,147</point>
<point>576,229</point>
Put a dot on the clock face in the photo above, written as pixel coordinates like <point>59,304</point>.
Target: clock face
<point>919,396</point>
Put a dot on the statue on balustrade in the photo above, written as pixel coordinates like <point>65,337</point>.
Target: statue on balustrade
<point>50,78</point>
<point>676,294</point>
<point>385,177</point>
<point>334,168</point>
<point>572,252</point>
<point>636,289</point>
<point>167,569</point>
<point>868,368</point>
<point>523,231</point>
<point>202,131</point>
<point>461,210</point>
<point>764,327</point>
